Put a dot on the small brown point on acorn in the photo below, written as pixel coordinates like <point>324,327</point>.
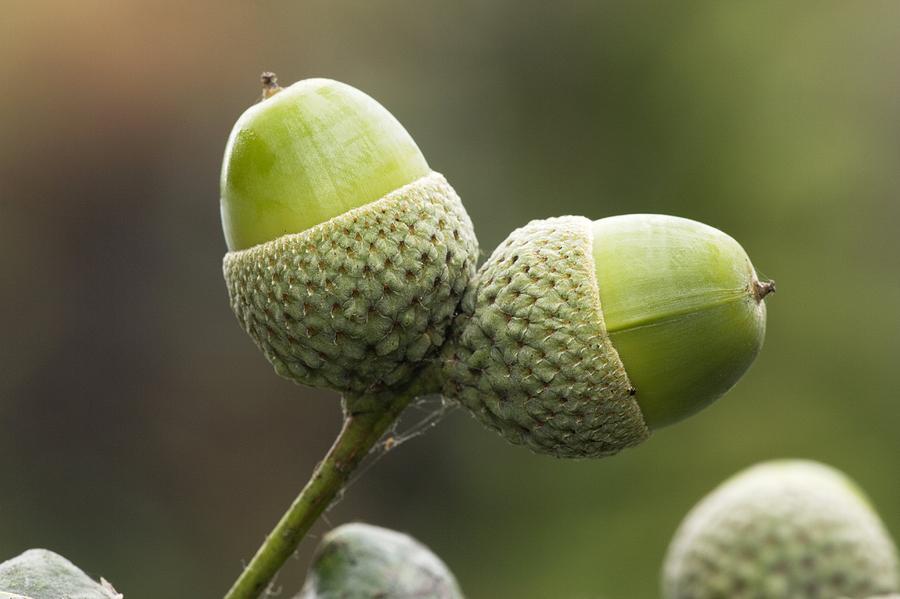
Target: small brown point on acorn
<point>762,288</point>
<point>270,85</point>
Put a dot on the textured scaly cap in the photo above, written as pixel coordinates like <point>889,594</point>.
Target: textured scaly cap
<point>577,338</point>
<point>348,254</point>
<point>530,357</point>
<point>782,530</point>
<point>360,561</point>
<point>42,574</point>
<point>360,301</point>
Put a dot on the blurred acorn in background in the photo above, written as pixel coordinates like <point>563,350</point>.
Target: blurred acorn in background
<point>789,529</point>
<point>360,561</point>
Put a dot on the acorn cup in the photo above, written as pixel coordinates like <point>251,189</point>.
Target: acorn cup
<point>360,561</point>
<point>578,338</point>
<point>42,574</point>
<point>790,529</point>
<point>347,254</point>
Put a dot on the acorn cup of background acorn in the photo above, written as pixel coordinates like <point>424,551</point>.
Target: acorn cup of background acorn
<point>361,561</point>
<point>785,529</point>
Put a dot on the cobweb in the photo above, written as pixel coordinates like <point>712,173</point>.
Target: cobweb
<point>422,415</point>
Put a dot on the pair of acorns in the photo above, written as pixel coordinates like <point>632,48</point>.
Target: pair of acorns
<point>352,265</point>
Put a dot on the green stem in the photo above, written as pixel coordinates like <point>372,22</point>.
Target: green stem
<point>365,420</point>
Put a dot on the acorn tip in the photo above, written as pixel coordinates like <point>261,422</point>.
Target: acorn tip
<point>763,288</point>
<point>270,85</point>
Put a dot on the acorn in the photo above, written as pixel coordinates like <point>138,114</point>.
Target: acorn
<point>578,338</point>
<point>360,561</point>
<point>790,529</point>
<point>43,574</point>
<point>347,254</point>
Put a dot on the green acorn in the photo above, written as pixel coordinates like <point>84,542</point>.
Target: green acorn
<point>359,561</point>
<point>42,574</point>
<point>578,338</point>
<point>788,529</point>
<point>347,254</point>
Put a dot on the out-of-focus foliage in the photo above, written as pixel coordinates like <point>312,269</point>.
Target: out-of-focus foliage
<point>42,574</point>
<point>142,431</point>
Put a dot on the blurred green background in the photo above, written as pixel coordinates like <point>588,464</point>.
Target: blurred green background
<point>147,439</point>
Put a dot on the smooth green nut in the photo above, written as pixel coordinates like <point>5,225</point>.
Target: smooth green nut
<point>42,574</point>
<point>348,255</point>
<point>788,529</point>
<point>578,338</point>
<point>360,561</point>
